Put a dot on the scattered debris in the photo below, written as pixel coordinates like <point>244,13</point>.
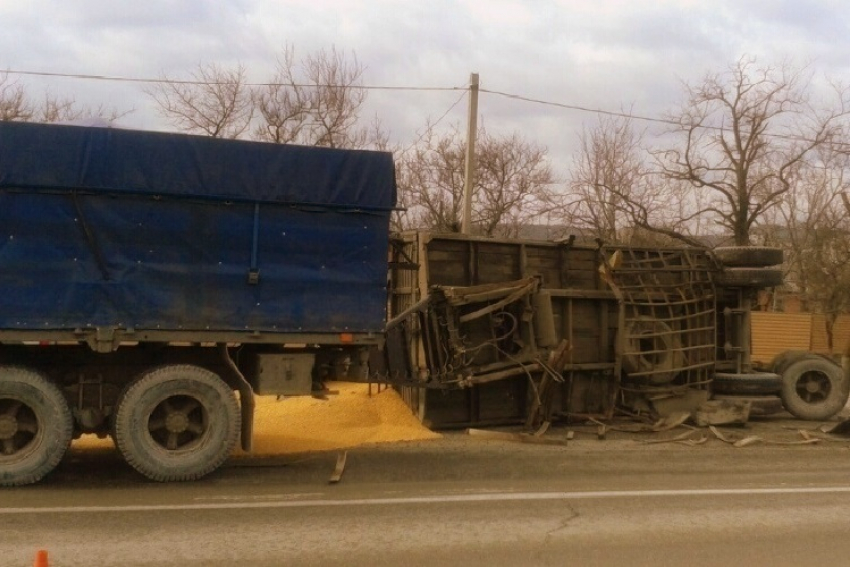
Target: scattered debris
<point>840,428</point>
<point>808,435</point>
<point>542,429</point>
<point>339,468</point>
<point>601,431</point>
<point>808,439</point>
<point>672,421</point>
<point>692,442</point>
<point>541,407</point>
<point>726,413</point>
<point>719,435</point>
<point>746,441</point>
<point>688,401</point>
<point>681,437</point>
<point>723,412</point>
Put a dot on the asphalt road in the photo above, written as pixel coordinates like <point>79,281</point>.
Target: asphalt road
<point>458,500</point>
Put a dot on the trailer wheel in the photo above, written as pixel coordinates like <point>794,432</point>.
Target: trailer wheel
<point>177,423</point>
<point>750,384</point>
<point>789,357</point>
<point>749,256</point>
<point>35,426</point>
<point>750,277</point>
<point>653,350</point>
<point>813,388</point>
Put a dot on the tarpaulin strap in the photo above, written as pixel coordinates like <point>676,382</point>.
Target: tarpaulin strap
<point>254,271</point>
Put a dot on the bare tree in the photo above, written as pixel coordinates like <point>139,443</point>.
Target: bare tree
<point>14,104</point>
<point>513,185</point>
<point>314,101</point>
<point>814,227</point>
<point>215,101</point>
<point>17,105</point>
<point>55,109</point>
<point>615,195</point>
<point>745,135</point>
<point>607,170</point>
<point>430,181</point>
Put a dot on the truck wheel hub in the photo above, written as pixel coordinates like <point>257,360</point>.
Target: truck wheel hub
<point>8,426</point>
<point>813,385</point>
<point>176,422</point>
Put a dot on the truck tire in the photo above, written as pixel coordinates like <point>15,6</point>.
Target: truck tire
<point>750,277</point>
<point>787,358</point>
<point>749,256</point>
<point>750,384</point>
<point>177,423</point>
<point>652,350</point>
<point>36,426</point>
<point>814,389</point>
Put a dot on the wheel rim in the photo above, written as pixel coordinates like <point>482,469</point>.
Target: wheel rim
<point>178,423</point>
<point>814,387</point>
<point>19,429</point>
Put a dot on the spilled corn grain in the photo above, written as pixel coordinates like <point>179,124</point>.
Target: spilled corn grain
<point>349,418</point>
<point>346,419</point>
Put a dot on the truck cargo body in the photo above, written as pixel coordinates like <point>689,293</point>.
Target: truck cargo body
<point>124,253</point>
<point>112,229</point>
<point>524,331</point>
<point>533,330</point>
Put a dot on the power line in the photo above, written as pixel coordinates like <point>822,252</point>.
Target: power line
<point>583,108</point>
<point>431,126</point>
<point>665,121</point>
<point>167,81</point>
<point>464,89</point>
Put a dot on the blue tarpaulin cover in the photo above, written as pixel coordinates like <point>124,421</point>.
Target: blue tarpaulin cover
<point>106,227</point>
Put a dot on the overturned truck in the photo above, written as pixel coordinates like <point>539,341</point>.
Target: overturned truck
<point>509,331</point>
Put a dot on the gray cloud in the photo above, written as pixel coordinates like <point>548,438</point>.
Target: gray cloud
<point>609,54</point>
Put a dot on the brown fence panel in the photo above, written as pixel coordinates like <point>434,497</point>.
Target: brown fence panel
<point>773,333</point>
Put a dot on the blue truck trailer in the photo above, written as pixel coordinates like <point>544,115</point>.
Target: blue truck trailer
<point>151,283</point>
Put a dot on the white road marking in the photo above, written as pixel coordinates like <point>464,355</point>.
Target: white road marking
<point>442,499</point>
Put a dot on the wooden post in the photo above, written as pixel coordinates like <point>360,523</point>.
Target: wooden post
<point>469,171</point>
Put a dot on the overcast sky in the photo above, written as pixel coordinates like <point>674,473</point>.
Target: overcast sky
<point>607,54</point>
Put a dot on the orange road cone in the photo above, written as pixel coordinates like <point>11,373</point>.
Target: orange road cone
<point>40,559</point>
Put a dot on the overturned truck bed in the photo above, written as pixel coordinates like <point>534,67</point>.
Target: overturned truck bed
<point>528,331</point>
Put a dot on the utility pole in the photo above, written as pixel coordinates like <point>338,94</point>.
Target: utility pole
<point>469,170</point>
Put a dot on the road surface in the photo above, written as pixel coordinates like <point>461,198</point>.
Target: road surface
<point>453,501</point>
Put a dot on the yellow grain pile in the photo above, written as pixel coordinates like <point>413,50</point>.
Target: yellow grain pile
<point>347,419</point>
<point>302,424</point>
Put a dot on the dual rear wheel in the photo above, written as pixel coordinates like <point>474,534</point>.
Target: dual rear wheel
<point>35,426</point>
<point>174,423</point>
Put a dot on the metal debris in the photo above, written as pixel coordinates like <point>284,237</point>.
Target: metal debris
<point>340,467</point>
